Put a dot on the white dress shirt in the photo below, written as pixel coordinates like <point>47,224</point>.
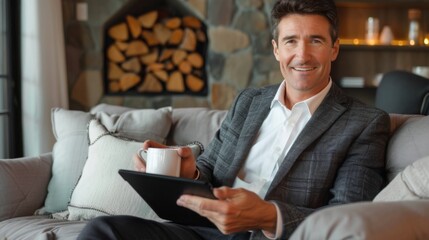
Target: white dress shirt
<point>275,137</point>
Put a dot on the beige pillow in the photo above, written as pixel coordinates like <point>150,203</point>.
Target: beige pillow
<point>101,190</point>
<point>410,184</point>
<point>71,149</point>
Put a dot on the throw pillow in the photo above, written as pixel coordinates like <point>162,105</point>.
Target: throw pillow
<point>101,190</point>
<point>69,154</point>
<point>71,148</point>
<point>410,184</point>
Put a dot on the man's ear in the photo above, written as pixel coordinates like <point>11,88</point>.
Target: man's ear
<point>275,49</point>
<point>335,50</point>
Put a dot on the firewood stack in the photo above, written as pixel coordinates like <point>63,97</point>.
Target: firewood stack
<point>154,53</point>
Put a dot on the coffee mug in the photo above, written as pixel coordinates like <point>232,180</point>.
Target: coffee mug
<point>164,161</point>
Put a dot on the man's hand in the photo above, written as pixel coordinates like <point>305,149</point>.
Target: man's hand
<point>187,165</point>
<point>234,210</point>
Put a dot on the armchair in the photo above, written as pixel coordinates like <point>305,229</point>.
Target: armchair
<point>403,92</point>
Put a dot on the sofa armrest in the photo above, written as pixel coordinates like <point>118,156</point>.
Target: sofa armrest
<point>368,220</point>
<point>23,185</point>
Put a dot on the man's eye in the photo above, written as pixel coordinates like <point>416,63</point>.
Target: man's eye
<point>317,40</point>
<point>289,42</point>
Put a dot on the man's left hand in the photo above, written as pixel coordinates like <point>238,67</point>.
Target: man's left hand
<point>234,210</point>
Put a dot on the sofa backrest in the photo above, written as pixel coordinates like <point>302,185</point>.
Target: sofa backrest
<point>408,142</point>
<point>194,124</point>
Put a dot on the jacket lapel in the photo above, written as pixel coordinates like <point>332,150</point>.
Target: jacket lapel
<point>326,114</point>
<point>258,111</point>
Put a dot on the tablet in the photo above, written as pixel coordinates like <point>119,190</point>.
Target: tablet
<point>161,193</point>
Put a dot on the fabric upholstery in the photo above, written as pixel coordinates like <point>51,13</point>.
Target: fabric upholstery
<point>71,149</point>
<point>23,184</point>
<point>408,144</point>
<point>101,190</point>
<point>369,221</point>
<point>187,124</point>
<point>40,228</point>
<point>69,155</point>
<point>378,219</point>
<point>410,184</point>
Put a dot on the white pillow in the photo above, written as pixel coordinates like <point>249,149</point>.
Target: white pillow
<point>410,184</point>
<point>71,149</point>
<point>69,155</point>
<point>101,190</point>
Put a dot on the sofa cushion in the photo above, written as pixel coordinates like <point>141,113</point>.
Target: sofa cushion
<point>71,149</point>
<point>23,184</point>
<point>40,228</point>
<point>367,220</point>
<point>410,184</point>
<point>407,144</point>
<point>195,124</point>
<point>69,155</point>
<point>101,190</point>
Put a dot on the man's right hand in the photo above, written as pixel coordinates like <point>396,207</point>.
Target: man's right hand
<point>187,165</point>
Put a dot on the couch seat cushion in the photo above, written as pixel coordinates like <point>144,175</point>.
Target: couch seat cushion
<point>40,227</point>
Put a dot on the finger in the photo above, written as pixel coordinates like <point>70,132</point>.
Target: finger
<point>184,152</point>
<point>139,164</point>
<point>224,192</point>
<point>201,205</point>
<point>149,143</point>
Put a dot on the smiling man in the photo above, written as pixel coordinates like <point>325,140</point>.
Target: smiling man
<point>283,151</point>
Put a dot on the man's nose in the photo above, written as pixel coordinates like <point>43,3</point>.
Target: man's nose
<point>303,51</point>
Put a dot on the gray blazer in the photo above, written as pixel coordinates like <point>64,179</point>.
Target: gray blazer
<point>337,158</point>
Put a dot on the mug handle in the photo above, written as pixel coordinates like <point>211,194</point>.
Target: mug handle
<point>142,153</point>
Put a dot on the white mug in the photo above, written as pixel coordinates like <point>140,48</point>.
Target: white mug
<point>164,161</point>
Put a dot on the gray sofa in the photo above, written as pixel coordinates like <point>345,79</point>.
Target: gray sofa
<point>38,202</point>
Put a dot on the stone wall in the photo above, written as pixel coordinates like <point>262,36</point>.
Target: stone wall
<point>239,56</point>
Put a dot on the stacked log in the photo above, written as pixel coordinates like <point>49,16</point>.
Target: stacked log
<point>154,53</point>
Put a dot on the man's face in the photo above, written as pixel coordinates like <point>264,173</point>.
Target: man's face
<point>305,52</point>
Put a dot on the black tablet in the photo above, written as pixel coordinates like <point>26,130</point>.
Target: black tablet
<point>161,193</point>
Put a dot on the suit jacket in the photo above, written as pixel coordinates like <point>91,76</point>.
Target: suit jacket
<point>339,156</point>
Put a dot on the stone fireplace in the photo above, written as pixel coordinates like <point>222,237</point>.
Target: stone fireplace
<point>238,52</point>
<point>155,47</point>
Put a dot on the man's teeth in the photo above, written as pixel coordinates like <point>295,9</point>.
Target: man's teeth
<point>303,69</point>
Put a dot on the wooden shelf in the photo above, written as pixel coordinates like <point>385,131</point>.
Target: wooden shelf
<point>358,59</point>
<point>383,47</point>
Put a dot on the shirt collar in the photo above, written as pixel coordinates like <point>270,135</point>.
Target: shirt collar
<point>312,103</point>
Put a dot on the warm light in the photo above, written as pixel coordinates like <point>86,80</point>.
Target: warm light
<point>426,41</point>
<point>356,41</point>
<point>412,42</point>
<point>371,41</point>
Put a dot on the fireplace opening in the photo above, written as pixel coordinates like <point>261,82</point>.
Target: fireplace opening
<point>153,48</point>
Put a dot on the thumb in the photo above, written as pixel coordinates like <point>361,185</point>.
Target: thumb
<point>185,152</point>
<point>223,193</point>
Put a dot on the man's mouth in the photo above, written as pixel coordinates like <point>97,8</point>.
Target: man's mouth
<point>303,69</point>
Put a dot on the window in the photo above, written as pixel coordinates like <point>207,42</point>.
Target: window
<point>10,127</point>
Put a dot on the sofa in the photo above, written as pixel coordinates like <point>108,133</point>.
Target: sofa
<point>53,195</point>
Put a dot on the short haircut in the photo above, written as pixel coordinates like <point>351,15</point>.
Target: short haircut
<point>325,8</point>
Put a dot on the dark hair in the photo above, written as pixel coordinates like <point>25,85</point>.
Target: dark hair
<point>325,8</point>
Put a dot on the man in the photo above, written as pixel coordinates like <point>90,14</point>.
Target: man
<point>283,151</point>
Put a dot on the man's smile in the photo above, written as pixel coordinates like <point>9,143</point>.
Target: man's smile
<point>303,69</point>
